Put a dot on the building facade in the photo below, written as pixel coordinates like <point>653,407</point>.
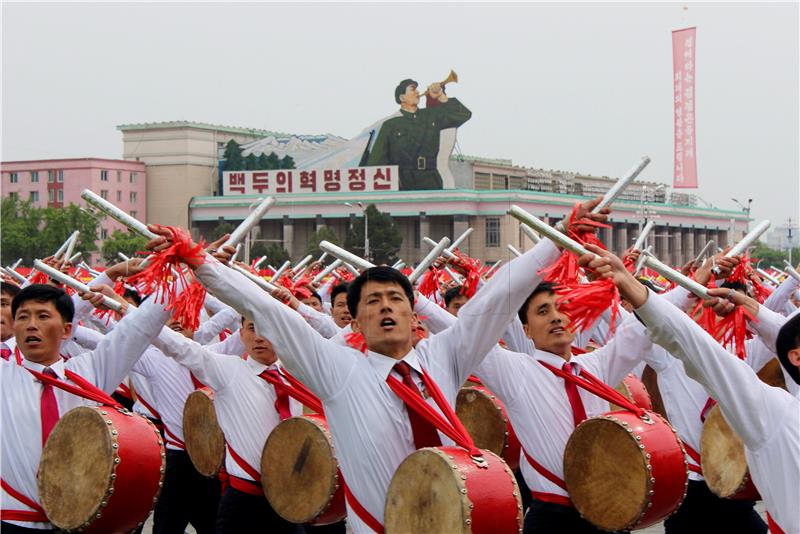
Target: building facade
<point>182,162</point>
<point>682,228</point>
<point>57,183</point>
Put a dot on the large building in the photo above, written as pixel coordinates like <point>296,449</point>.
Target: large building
<point>181,159</point>
<point>58,182</point>
<point>485,189</point>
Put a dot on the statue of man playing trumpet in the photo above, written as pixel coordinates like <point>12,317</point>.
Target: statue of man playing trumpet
<point>411,140</point>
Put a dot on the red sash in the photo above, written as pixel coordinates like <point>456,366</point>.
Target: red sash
<point>247,486</point>
<point>774,528</point>
<point>33,516</point>
<point>695,456</point>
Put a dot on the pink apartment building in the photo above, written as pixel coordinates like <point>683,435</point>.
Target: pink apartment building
<point>58,182</point>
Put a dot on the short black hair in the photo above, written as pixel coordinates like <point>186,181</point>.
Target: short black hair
<point>45,293</point>
<point>788,339</point>
<point>541,288</point>
<point>452,293</point>
<point>650,285</point>
<point>338,288</point>
<point>9,289</point>
<point>133,295</point>
<point>382,274</point>
<point>316,296</point>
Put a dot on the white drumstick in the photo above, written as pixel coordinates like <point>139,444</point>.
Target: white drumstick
<point>528,231</point>
<point>281,270</point>
<point>547,231</point>
<point>260,282</point>
<point>327,270</point>
<point>345,256</point>
<point>446,252</point>
<point>250,221</point>
<point>429,259</point>
<point>78,286</point>
<point>642,236</point>
<point>459,240</point>
<point>117,214</point>
<point>671,274</point>
<point>514,250</point>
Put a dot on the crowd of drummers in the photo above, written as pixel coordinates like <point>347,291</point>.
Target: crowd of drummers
<point>567,391</point>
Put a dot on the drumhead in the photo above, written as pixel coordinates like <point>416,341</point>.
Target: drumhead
<point>482,418</point>
<point>204,439</point>
<point>722,456</point>
<point>606,474</point>
<point>299,471</point>
<point>75,468</point>
<point>427,495</point>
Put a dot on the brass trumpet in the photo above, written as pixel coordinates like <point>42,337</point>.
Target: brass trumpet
<point>452,77</point>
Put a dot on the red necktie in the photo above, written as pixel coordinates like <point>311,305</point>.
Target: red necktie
<point>574,397</point>
<point>49,406</point>
<point>425,434</point>
<point>282,402</point>
<point>5,353</point>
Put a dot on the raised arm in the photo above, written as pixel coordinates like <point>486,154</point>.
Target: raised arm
<point>213,370</point>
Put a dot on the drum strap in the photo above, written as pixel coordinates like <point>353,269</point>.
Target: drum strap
<point>450,425</point>
<point>172,439</point>
<point>147,405</point>
<point>84,388</point>
<point>360,511</point>
<point>542,470</point>
<point>774,528</point>
<point>710,403</point>
<point>245,486</point>
<point>695,456</point>
<point>249,469</point>
<point>552,498</point>
<point>294,389</point>
<point>35,516</point>
<point>125,391</point>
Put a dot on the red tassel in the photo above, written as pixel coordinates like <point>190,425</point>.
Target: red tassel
<point>357,341</point>
<point>732,330</point>
<point>39,278</point>
<point>585,303</point>
<point>430,282</point>
<point>156,277</point>
<point>474,269</point>
<point>406,270</point>
<point>188,306</point>
<point>119,289</point>
<point>629,264</point>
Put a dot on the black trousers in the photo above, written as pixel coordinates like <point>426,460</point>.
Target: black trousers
<point>550,518</point>
<point>702,511</point>
<point>8,528</point>
<point>186,497</point>
<point>242,512</point>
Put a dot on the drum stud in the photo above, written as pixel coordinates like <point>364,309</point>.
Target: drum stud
<point>103,413</point>
<point>115,446</point>
<point>160,483</point>
<point>463,491</point>
<point>116,460</point>
<point>514,493</point>
<point>647,455</point>
<point>97,516</point>
<point>649,467</point>
<point>640,445</point>
<point>651,492</point>
<point>113,476</point>
<point>638,438</point>
<point>468,521</point>
<point>103,504</point>
<point>463,477</point>
<point>114,432</point>
<point>652,480</point>
<point>108,421</point>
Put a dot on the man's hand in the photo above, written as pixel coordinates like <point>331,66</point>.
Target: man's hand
<point>607,266</point>
<point>726,265</point>
<point>125,268</point>
<point>222,253</point>
<point>95,297</point>
<point>284,295</point>
<point>584,212</point>
<point>632,255</point>
<point>725,301</point>
<point>436,91</point>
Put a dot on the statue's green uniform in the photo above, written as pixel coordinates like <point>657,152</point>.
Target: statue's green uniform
<point>411,142</point>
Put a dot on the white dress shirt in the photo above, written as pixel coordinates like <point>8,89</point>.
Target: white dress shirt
<point>321,322</point>
<point>370,426</point>
<point>224,317</point>
<point>105,367</point>
<point>244,402</point>
<point>766,418</point>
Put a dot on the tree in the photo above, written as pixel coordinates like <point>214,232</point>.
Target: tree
<point>251,162</point>
<point>287,162</point>
<point>233,156</point>
<point>273,161</point>
<point>384,237</point>
<point>128,243</point>
<point>30,233</point>
<point>323,234</point>
<point>263,162</point>
<point>221,229</point>
<point>771,257</point>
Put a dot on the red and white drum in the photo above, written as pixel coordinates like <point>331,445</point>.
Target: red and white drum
<point>623,472</point>
<point>300,473</point>
<point>485,418</point>
<point>101,470</point>
<point>443,489</point>
<point>634,390</point>
<point>723,461</point>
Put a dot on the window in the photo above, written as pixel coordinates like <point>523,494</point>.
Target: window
<point>133,177</point>
<point>34,196</point>
<point>51,195</point>
<point>13,195</point>
<point>133,197</point>
<point>60,195</point>
<point>14,178</point>
<point>34,177</point>
<point>104,194</point>
<point>119,176</point>
<point>133,214</point>
<point>103,233</point>
<point>60,177</point>
<point>119,196</point>
<point>492,231</point>
<point>50,177</point>
<point>103,176</point>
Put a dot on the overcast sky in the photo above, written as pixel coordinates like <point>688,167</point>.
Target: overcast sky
<point>580,87</point>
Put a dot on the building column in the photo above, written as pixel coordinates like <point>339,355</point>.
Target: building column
<point>288,236</point>
<point>621,239</point>
<point>701,238</point>
<point>460,225</point>
<point>688,244</point>
<point>424,231</point>
<point>606,237</point>
<point>723,238</point>
<point>677,246</point>
<point>661,243</point>
<point>319,222</point>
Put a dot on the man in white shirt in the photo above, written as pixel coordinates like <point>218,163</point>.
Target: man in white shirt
<point>42,320</point>
<point>765,418</point>
<point>7,343</point>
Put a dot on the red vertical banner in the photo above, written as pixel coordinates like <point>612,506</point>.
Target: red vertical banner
<point>683,47</point>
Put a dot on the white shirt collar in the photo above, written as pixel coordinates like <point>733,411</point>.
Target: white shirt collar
<point>553,359</point>
<point>383,365</point>
<point>257,367</point>
<point>57,367</point>
<point>10,343</point>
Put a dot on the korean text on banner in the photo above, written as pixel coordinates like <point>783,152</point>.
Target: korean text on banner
<point>683,53</point>
<point>310,181</point>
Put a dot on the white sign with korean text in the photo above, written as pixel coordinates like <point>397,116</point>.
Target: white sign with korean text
<point>310,181</point>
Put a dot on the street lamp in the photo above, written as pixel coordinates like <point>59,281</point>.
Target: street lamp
<point>366,226</point>
<point>745,209</point>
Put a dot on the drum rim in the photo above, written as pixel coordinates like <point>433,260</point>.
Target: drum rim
<point>466,504</point>
<point>209,394</point>
<point>610,416</point>
<point>313,419</point>
<point>113,433</point>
